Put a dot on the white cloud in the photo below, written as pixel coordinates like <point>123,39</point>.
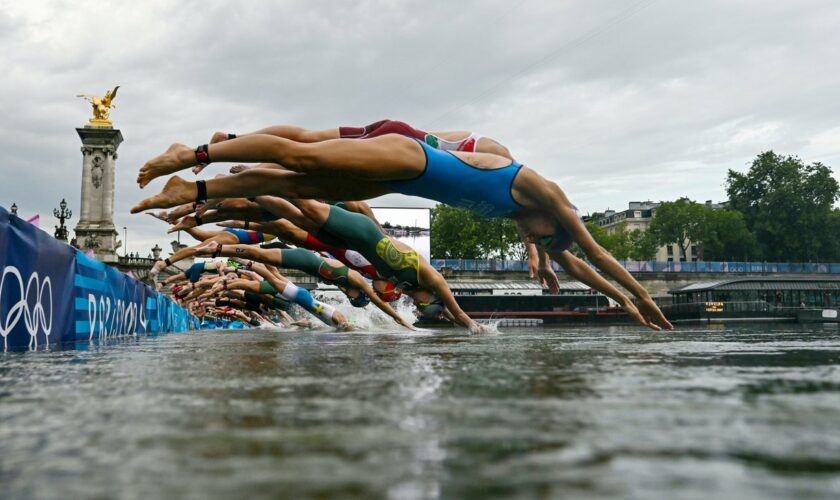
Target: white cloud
<point>615,101</point>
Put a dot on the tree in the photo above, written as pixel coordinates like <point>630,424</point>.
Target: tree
<point>642,245</point>
<point>787,205</point>
<point>454,234</point>
<point>679,222</point>
<point>459,234</point>
<point>726,237</point>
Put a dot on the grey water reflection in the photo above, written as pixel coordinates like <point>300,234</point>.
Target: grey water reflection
<point>746,412</point>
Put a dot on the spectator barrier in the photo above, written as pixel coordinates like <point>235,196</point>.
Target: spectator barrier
<point>51,293</point>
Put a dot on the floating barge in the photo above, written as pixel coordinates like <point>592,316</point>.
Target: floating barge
<point>757,299</point>
<point>525,303</point>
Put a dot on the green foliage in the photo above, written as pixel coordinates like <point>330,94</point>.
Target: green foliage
<point>642,245</point>
<point>787,205</point>
<point>679,222</point>
<point>726,237</point>
<point>459,234</point>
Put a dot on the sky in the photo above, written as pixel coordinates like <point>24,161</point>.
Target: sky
<point>616,101</point>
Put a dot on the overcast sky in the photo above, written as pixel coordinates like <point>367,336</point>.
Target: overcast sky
<point>615,100</point>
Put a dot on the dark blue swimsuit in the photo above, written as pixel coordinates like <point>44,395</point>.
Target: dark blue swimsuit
<point>450,180</point>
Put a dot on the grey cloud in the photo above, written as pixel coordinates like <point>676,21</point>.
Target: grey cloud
<point>616,102</point>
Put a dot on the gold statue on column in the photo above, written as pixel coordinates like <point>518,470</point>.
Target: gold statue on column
<point>101,105</point>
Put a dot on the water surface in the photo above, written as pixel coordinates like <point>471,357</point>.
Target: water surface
<point>587,412</point>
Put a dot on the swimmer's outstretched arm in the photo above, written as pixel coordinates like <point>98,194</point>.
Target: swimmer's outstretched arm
<point>650,314</point>
<point>579,270</point>
<point>437,283</point>
<point>537,193</point>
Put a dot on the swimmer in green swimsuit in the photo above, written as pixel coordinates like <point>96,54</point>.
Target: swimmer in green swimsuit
<point>393,259</point>
<point>357,289</point>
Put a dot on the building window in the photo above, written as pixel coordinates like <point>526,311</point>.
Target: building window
<point>637,214</point>
<point>670,251</point>
<point>694,251</point>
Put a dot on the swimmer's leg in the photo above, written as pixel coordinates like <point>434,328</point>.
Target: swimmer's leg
<point>258,182</point>
<point>391,157</point>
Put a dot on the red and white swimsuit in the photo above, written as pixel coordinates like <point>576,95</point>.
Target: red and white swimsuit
<point>349,258</point>
<point>384,127</point>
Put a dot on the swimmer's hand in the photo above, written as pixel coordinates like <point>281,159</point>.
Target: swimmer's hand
<point>653,314</point>
<point>533,265</point>
<point>548,279</point>
<point>648,314</point>
<point>478,328</point>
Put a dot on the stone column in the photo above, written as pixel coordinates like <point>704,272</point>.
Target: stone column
<point>95,229</point>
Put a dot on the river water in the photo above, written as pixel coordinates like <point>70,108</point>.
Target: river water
<point>585,412</point>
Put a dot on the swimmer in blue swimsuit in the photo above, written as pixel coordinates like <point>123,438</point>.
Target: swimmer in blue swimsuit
<point>347,169</point>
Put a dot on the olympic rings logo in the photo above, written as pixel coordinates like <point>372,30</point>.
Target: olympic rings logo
<point>36,318</point>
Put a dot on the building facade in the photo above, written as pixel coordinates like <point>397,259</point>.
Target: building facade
<point>638,216</point>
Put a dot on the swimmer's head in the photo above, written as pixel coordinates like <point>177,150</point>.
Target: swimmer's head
<point>545,231</point>
<point>559,241</point>
<point>428,307</point>
<point>360,300</point>
<point>386,290</point>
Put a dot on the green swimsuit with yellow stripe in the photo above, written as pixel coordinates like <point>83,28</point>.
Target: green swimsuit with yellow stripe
<point>358,232</point>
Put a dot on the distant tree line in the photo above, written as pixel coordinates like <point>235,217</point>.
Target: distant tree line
<point>780,210</point>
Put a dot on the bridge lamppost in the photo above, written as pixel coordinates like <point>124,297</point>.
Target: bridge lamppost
<point>14,208</point>
<point>62,215</point>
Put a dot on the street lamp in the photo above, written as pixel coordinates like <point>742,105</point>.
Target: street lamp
<point>14,208</point>
<point>62,215</point>
<point>125,249</point>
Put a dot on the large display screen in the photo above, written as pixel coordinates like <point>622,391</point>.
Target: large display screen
<point>409,225</point>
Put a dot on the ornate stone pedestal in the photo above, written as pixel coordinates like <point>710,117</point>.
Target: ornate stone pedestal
<point>95,230</point>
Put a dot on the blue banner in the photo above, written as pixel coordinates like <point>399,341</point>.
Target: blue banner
<point>50,293</point>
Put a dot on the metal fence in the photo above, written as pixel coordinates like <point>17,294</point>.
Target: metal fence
<point>653,266</point>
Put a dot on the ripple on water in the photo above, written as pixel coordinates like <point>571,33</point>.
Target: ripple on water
<point>746,412</point>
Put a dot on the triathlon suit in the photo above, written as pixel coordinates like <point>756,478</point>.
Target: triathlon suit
<point>195,271</point>
<point>314,265</point>
<point>248,237</point>
<point>300,296</point>
<point>350,258</point>
<point>384,127</point>
<point>448,179</point>
<point>467,145</point>
<point>362,234</point>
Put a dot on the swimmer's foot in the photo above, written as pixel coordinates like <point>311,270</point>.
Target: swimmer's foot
<point>180,211</point>
<point>206,248</point>
<point>219,137</point>
<point>185,223</point>
<point>157,268</point>
<point>175,192</point>
<point>176,157</point>
<point>240,168</point>
<point>162,215</point>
